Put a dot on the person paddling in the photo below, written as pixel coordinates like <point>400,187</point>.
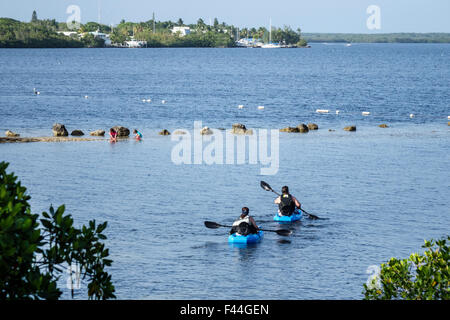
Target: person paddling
<point>137,134</point>
<point>286,202</point>
<point>245,224</point>
<point>113,135</point>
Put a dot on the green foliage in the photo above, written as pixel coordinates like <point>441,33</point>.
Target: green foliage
<point>37,34</point>
<point>420,277</point>
<point>33,255</point>
<point>379,37</point>
<point>92,42</point>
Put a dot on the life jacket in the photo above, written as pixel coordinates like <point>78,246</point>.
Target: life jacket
<point>286,205</point>
<point>243,226</point>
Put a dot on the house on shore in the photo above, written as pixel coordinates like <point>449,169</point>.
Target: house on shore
<point>182,30</point>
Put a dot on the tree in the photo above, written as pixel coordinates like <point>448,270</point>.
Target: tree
<point>419,277</point>
<point>180,22</point>
<point>34,17</point>
<point>33,255</point>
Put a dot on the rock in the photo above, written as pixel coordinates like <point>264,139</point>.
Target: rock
<point>77,133</point>
<point>9,133</point>
<point>164,132</point>
<point>302,128</point>
<point>350,128</point>
<point>313,126</point>
<point>179,132</point>
<point>206,130</point>
<point>97,133</point>
<point>448,123</point>
<point>221,129</point>
<point>122,131</point>
<point>384,125</point>
<point>289,129</point>
<point>239,128</point>
<point>59,130</point>
<point>331,130</point>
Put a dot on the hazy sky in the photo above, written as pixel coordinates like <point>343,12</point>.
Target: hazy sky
<point>310,16</point>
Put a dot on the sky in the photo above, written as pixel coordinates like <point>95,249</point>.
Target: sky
<point>336,16</point>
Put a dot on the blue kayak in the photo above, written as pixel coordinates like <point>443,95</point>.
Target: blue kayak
<point>296,216</point>
<point>251,238</point>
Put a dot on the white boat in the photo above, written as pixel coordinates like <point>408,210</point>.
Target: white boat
<point>271,46</point>
<point>348,45</point>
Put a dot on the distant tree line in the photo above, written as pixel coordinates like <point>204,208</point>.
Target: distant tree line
<point>379,37</point>
<point>44,34</point>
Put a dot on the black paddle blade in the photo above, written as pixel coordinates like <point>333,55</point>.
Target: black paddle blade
<point>284,232</point>
<point>266,186</point>
<point>212,225</point>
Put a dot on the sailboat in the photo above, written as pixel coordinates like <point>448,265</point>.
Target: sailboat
<point>270,45</point>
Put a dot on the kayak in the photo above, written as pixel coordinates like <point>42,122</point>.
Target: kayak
<point>251,238</point>
<point>296,216</point>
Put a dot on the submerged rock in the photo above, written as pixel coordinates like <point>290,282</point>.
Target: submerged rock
<point>289,129</point>
<point>97,133</point>
<point>239,128</point>
<point>77,133</point>
<point>122,131</point>
<point>383,125</point>
<point>350,128</point>
<point>313,126</point>
<point>59,130</point>
<point>164,132</point>
<point>9,133</point>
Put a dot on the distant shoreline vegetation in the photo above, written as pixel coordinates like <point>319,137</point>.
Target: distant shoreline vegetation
<point>158,34</point>
<point>378,37</point>
<point>51,34</point>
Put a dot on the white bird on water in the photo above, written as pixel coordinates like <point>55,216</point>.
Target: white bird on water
<point>411,115</point>
<point>260,107</point>
<point>163,101</point>
<point>35,91</point>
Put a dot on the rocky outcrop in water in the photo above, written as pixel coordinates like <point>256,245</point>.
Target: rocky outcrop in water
<point>122,131</point>
<point>383,125</point>
<point>313,126</point>
<point>164,132</point>
<point>9,133</point>
<point>77,133</point>
<point>99,133</point>
<point>239,128</point>
<point>302,128</point>
<point>350,128</point>
<point>59,130</point>
<point>289,129</point>
<point>206,131</point>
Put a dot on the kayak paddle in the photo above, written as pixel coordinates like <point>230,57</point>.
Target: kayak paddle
<point>214,225</point>
<point>267,187</point>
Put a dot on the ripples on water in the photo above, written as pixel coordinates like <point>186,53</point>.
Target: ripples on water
<point>382,191</point>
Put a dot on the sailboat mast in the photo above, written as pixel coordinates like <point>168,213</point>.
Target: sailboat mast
<point>270,30</point>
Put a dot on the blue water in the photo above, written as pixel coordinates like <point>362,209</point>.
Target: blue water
<point>382,191</point>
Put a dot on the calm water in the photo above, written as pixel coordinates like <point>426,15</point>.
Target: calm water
<point>382,191</point>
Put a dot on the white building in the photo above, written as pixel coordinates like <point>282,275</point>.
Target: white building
<point>103,36</point>
<point>68,33</point>
<point>182,30</point>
